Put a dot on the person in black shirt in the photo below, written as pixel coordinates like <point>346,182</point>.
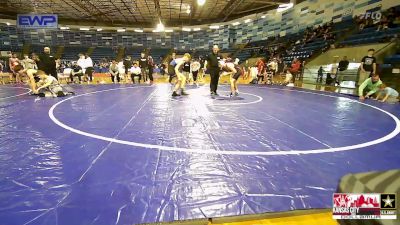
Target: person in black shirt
<point>127,65</point>
<point>150,63</point>
<point>201,71</point>
<point>213,66</point>
<point>368,66</point>
<point>144,64</point>
<point>343,64</point>
<point>76,71</point>
<point>171,67</point>
<point>47,63</point>
<point>320,74</point>
<point>186,72</point>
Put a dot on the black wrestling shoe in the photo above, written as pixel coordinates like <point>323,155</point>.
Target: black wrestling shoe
<point>174,94</point>
<point>60,94</point>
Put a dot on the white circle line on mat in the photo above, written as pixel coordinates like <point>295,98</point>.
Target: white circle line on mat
<point>236,103</point>
<point>387,137</point>
<point>13,96</point>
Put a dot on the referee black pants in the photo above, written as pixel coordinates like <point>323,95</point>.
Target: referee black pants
<point>214,74</point>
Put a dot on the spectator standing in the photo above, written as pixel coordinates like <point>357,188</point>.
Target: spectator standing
<point>320,74</point>
<point>343,65</point>
<point>127,65</point>
<point>294,70</point>
<point>171,67</point>
<point>143,64</point>
<point>368,66</point>
<point>150,63</point>
<point>12,62</point>
<point>89,67</point>
<point>28,63</point>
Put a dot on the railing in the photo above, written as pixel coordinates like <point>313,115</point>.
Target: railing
<point>311,76</point>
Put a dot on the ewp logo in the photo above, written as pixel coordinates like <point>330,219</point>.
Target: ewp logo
<point>44,21</point>
<point>373,15</point>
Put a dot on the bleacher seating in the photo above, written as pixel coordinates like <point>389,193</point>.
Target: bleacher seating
<point>159,54</point>
<point>71,53</point>
<point>370,35</point>
<point>133,52</point>
<point>103,53</point>
<point>394,59</point>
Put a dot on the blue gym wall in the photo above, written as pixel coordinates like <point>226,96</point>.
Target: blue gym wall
<point>307,13</point>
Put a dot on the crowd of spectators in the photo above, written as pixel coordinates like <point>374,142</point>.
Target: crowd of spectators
<point>381,21</point>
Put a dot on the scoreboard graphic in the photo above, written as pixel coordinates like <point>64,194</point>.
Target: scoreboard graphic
<point>364,206</point>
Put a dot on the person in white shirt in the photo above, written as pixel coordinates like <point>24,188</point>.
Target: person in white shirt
<point>86,63</point>
<point>89,67</point>
<point>82,63</point>
<point>28,63</point>
<point>121,69</point>
<point>194,70</point>
<point>114,71</point>
<point>273,66</point>
<point>136,71</point>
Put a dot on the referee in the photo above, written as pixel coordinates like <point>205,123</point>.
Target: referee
<point>212,64</point>
<point>47,63</point>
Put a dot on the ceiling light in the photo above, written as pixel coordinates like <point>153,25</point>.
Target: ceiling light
<point>235,23</point>
<point>99,29</point>
<point>247,21</point>
<point>196,29</point>
<point>201,2</point>
<point>186,29</point>
<point>160,27</point>
<point>84,28</point>
<point>214,26</point>
<point>64,28</point>
<point>121,30</point>
<point>8,24</point>
<point>169,31</point>
<point>263,16</point>
<point>138,30</point>
<point>284,7</point>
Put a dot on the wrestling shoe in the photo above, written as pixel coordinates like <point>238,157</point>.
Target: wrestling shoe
<point>174,94</point>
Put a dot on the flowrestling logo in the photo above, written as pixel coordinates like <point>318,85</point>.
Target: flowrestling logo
<point>364,206</point>
<point>376,16</point>
<point>37,21</point>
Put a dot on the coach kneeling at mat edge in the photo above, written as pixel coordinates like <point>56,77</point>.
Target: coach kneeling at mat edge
<point>372,84</point>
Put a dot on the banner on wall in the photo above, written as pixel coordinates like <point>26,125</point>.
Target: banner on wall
<point>37,21</point>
